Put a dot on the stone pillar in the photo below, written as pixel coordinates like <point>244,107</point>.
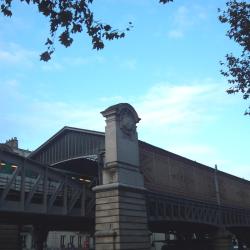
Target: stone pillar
<point>222,240</point>
<point>121,218</point>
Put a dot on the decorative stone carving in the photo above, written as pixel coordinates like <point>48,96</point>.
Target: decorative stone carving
<point>118,109</point>
<point>127,122</point>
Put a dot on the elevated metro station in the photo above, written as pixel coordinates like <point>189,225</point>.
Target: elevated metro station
<point>121,191</point>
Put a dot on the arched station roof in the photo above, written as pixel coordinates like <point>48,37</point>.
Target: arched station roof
<point>68,144</point>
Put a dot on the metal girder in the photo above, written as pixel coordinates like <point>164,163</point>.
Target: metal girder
<point>167,208</point>
<point>38,188</point>
<point>9,183</point>
<point>73,200</point>
<point>55,194</point>
<point>33,190</point>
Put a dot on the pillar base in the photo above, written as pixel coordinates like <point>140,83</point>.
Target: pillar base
<point>121,219</point>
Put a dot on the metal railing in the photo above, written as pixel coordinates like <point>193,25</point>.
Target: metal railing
<point>34,187</point>
<point>167,208</point>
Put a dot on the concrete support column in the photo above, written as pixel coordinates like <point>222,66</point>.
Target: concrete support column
<point>222,240</point>
<point>121,218</point>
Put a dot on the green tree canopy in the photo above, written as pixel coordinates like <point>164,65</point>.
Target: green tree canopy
<point>237,68</point>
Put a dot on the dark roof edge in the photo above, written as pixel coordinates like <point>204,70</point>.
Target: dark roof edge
<point>65,128</point>
<point>88,131</point>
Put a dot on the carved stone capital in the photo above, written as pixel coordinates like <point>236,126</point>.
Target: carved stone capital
<point>125,115</point>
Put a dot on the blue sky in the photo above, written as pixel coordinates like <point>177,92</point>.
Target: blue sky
<point>167,67</point>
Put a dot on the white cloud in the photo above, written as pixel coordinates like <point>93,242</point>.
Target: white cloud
<point>109,100</point>
<point>71,62</point>
<point>41,115</point>
<point>167,105</point>
<point>175,33</point>
<point>129,64</point>
<point>51,66</point>
<point>77,60</point>
<point>174,115</point>
<point>16,55</point>
<point>184,18</point>
<point>175,109</point>
<point>80,60</point>
<point>11,90</point>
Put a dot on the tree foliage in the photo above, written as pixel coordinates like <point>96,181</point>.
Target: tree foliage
<point>237,68</point>
<point>69,17</point>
